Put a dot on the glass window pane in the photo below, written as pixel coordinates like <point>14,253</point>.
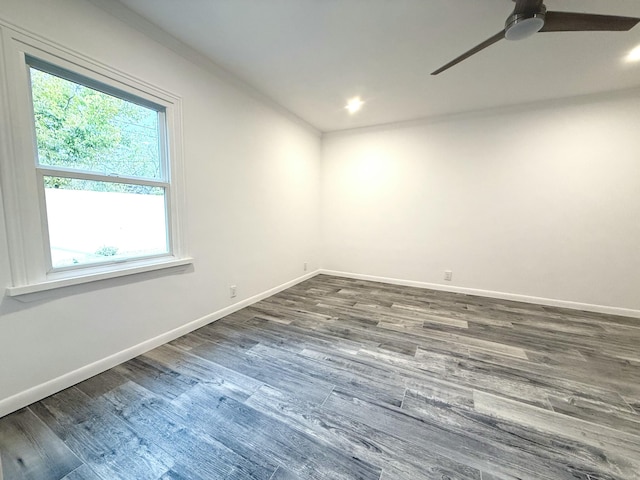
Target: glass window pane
<point>79,127</point>
<point>92,222</point>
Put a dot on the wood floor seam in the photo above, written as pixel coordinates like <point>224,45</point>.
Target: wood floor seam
<point>404,395</point>
<point>327,397</point>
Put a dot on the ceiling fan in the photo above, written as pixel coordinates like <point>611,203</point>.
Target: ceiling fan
<point>531,16</point>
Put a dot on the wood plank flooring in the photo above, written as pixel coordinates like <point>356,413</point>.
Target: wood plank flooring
<point>342,379</point>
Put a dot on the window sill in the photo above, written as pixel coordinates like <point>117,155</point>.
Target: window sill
<point>23,290</point>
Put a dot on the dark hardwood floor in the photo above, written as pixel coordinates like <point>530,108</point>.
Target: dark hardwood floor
<point>345,379</point>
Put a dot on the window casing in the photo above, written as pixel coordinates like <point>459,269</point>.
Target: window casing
<point>29,177</point>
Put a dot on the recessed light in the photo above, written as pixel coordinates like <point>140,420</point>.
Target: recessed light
<point>354,105</point>
<point>634,55</point>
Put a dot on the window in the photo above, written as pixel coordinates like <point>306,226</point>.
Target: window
<point>96,172</point>
<point>101,164</point>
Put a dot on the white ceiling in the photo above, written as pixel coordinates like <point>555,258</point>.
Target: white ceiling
<point>310,56</point>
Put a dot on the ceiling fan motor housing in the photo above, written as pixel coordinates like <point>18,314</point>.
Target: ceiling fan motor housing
<point>522,25</point>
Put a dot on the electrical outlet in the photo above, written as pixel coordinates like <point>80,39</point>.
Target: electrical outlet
<point>448,275</point>
<point>233,291</point>
<point>304,266</point>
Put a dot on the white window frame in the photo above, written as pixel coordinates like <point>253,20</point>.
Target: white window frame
<point>22,185</point>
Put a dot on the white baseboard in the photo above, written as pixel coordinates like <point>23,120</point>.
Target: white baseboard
<point>27,397</point>
<point>625,312</point>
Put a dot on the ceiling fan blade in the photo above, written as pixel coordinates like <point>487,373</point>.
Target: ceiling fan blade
<point>585,22</point>
<point>487,43</point>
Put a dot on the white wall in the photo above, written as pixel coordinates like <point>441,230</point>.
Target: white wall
<point>542,203</point>
<point>252,191</point>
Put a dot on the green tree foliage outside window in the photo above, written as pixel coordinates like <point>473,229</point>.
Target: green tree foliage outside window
<point>81,128</point>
